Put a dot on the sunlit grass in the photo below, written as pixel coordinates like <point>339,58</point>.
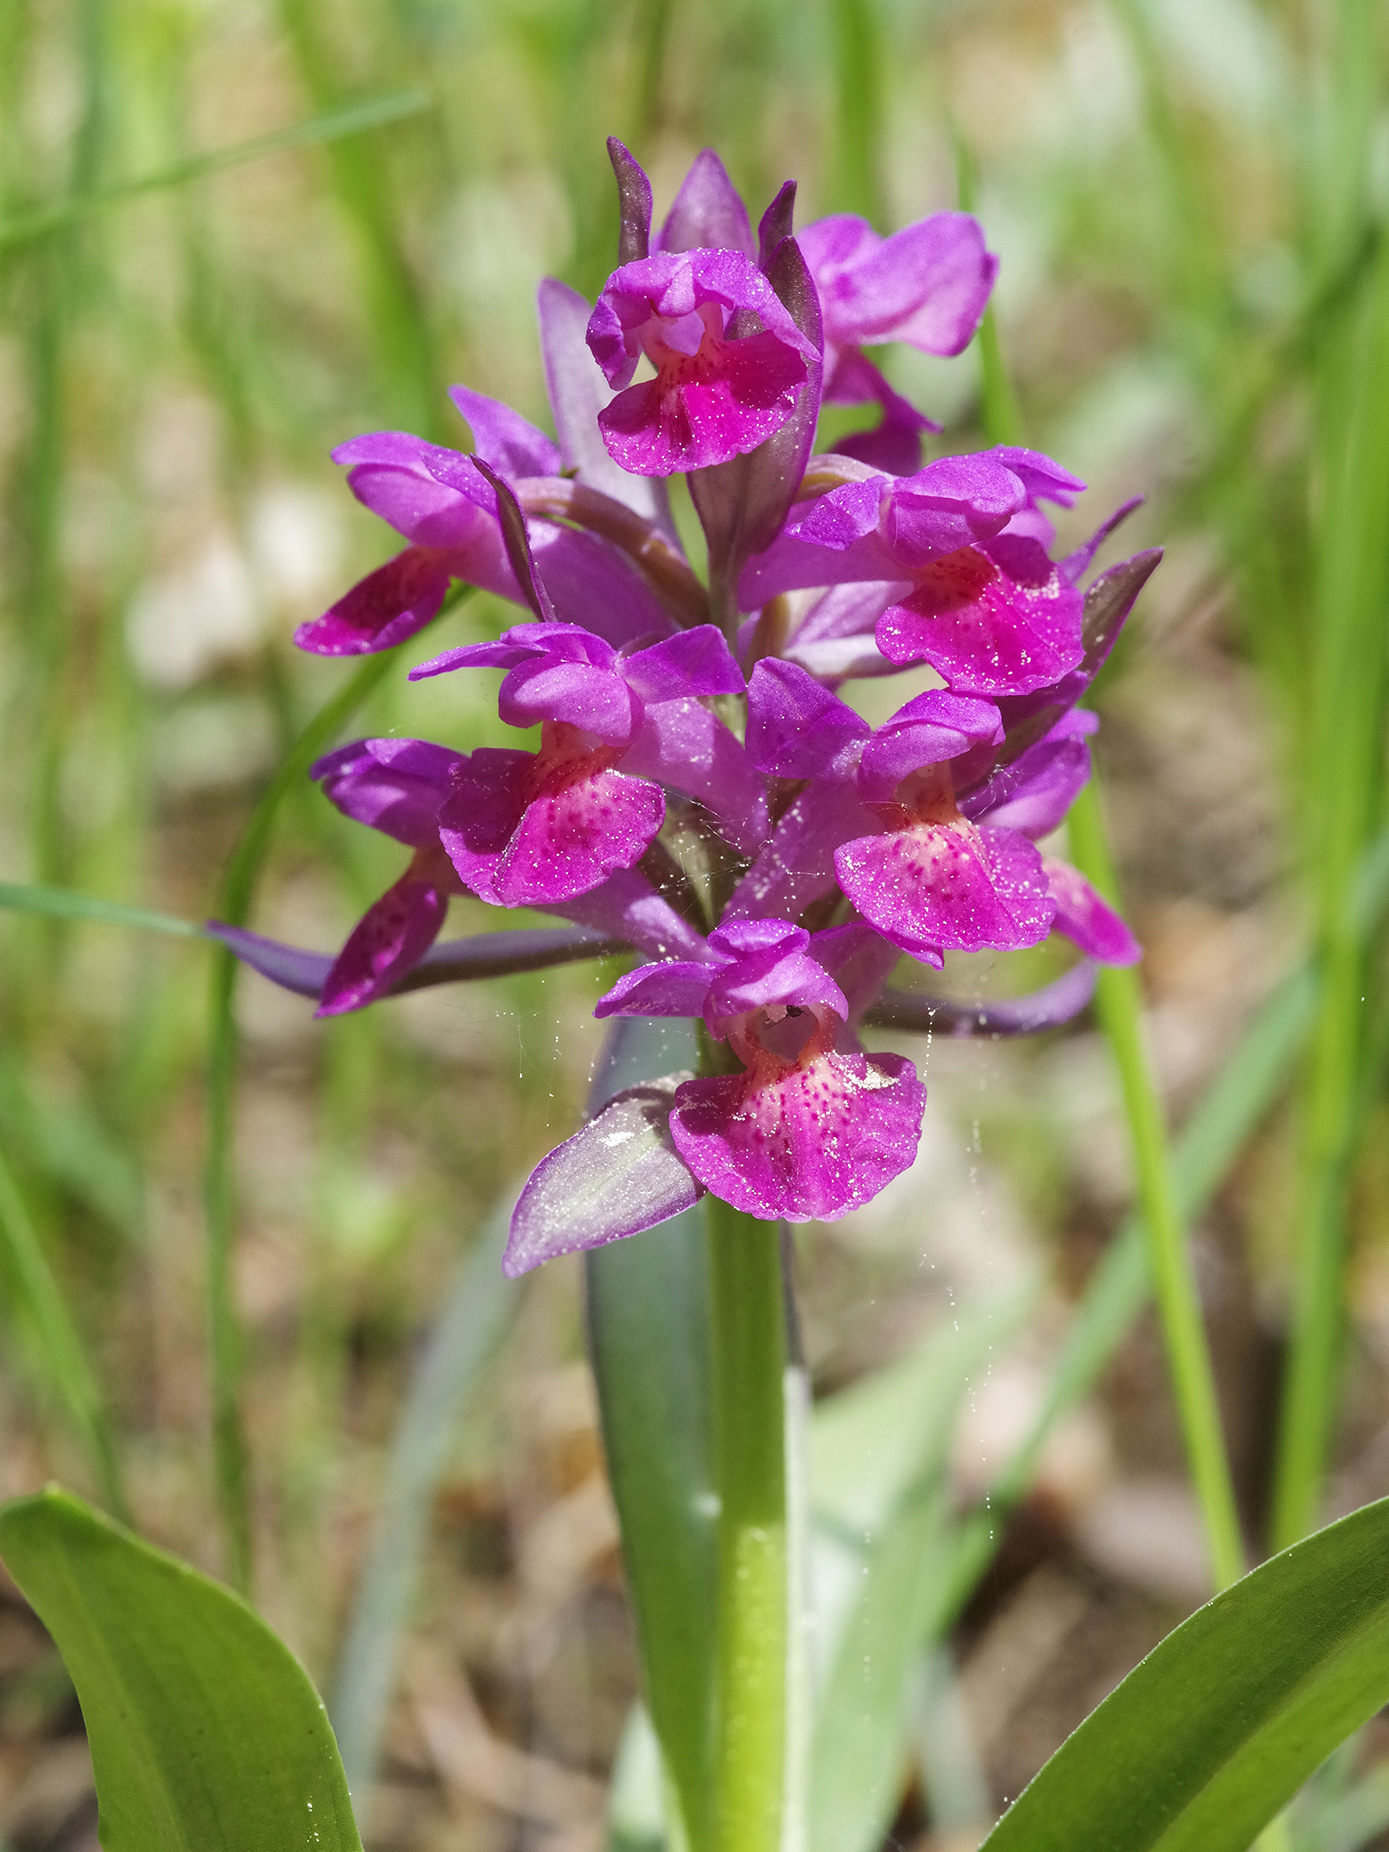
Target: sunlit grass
<point>196,304</point>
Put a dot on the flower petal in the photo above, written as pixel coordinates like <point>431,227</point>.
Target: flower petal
<point>1087,919</point>
<point>708,212</point>
<point>692,662</point>
<point>616,1176</point>
<point>686,748</point>
<point>510,443</point>
<point>390,939</point>
<point>675,987</point>
<point>813,1144</point>
<point>394,785</point>
<point>949,886</point>
<point>627,907</point>
<point>656,430</point>
<point>571,839</point>
<point>797,728</point>
<point>383,609</point>
<point>997,619</point>
<point>1033,794</point>
<point>927,284</point>
<point>797,865</point>
<point>578,392</point>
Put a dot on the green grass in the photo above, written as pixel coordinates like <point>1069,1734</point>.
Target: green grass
<point>231,238</point>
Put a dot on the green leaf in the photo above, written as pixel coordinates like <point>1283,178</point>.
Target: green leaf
<point>882,1552</point>
<point>355,121</point>
<point>1205,1741</point>
<point>70,1374</point>
<point>475,1317</point>
<point>648,1339</point>
<point>205,1731</point>
<point>64,904</point>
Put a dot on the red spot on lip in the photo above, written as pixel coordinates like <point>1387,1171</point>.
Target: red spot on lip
<point>958,578</point>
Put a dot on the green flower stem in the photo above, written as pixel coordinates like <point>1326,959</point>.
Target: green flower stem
<point>748,1340</point>
<point>1119,1003</point>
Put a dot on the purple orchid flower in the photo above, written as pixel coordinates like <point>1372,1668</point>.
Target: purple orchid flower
<point>812,1127</point>
<point>531,829</point>
<point>917,826</point>
<point>927,285</point>
<point>971,595</point>
<point>395,786</point>
<point>772,881</point>
<point>729,360</point>
<point>405,788</point>
<point>448,510</point>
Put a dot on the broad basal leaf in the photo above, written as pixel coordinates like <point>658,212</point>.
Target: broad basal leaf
<point>1205,1741</point>
<point>206,1734</point>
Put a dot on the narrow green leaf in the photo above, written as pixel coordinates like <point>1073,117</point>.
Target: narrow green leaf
<point>230,1463</point>
<point>1208,1738</point>
<point>1225,1116</point>
<point>70,1375</point>
<point>327,128</point>
<point>474,1318</point>
<point>879,1452</point>
<point>206,1733</point>
<point>648,1340</point>
<point>63,903</point>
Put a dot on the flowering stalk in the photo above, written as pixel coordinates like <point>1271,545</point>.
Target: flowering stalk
<point>749,1362</point>
<point>698,792</point>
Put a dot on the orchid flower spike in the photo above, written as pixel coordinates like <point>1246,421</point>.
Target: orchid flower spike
<point>698,789</point>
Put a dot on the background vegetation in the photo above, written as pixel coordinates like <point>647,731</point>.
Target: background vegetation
<point>1194,303</point>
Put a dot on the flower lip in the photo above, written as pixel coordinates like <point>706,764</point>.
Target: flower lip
<point>730,361</point>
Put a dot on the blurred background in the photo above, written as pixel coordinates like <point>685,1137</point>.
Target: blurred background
<point>1192,305</point>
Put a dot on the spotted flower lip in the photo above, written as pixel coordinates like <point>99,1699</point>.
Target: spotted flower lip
<point>812,1127</point>
<point>927,285</point>
<point>729,360</point>
<point>983,605</point>
<point>922,830</point>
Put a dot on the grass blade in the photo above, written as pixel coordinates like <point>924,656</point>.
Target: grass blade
<point>230,1464</point>
<point>1119,1002</point>
<point>69,1371</point>
<point>332,127</point>
<point>475,1316</point>
<point>1217,1129</point>
<point>1351,668</point>
<point>63,903</point>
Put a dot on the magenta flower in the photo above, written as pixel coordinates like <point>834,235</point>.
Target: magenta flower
<point>530,829</point>
<point>395,786</point>
<point>767,852</point>
<point>729,360</point>
<point>917,825</point>
<point>448,510</point>
<point>927,285</point>
<point>975,598</point>
<point>812,1127</point>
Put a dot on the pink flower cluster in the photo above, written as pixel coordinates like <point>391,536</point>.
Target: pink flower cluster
<point>700,791</point>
